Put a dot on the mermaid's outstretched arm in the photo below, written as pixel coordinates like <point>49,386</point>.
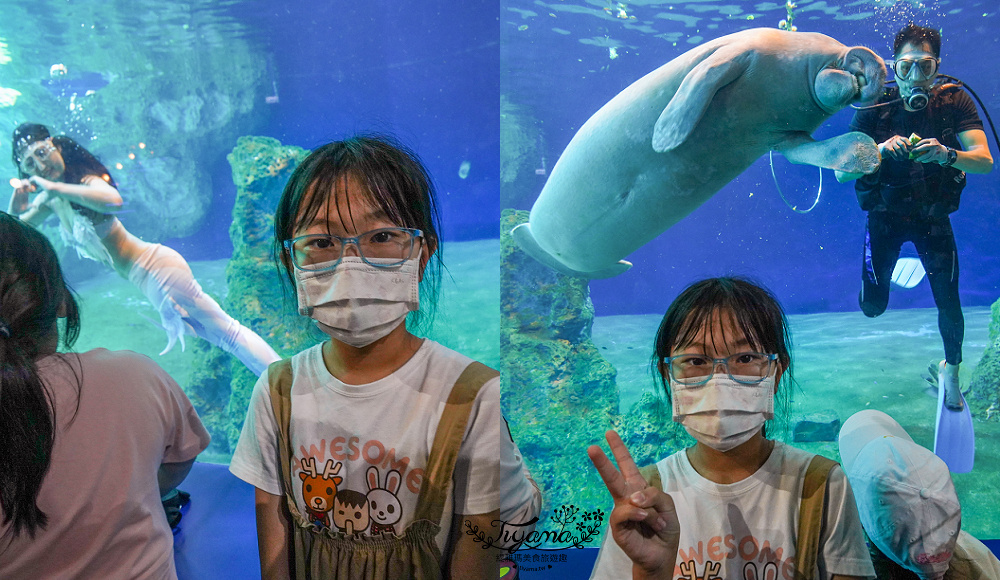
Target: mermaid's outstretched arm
<point>31,212</point>
<point>94,193</point>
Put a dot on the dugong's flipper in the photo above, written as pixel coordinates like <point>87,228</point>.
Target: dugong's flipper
<point>522,236</point>
<point>852,152</point>
<point>693,97</point>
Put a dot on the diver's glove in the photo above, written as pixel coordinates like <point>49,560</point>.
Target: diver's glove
<point>896,147</point>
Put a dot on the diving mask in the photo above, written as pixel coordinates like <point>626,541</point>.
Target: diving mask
<point>916,69</point>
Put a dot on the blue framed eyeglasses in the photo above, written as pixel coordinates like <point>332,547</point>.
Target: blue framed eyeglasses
<point>390,247</point>
<point>748,368</point>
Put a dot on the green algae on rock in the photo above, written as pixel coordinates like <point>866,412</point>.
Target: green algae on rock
<point>559,393</point>
<point>221,386</point>
<point>984,398</point>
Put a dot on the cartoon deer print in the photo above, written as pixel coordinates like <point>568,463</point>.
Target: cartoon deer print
<point>319,489</point>
<point>689,571</point>
<point>383,505</point>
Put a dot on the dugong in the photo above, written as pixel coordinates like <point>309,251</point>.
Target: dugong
<point>671,140</point>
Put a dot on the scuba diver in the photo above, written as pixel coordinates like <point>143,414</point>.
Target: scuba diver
<point>930,136</point>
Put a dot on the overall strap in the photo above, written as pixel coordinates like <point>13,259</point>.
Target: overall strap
<point>811,511</point>
<point>279,378</point>
<point>652,475</point>
<point>448,441</point>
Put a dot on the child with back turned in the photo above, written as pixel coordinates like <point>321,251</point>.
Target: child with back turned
<point>376,450</point>
<point>88,441</point>
<point>736,504</point>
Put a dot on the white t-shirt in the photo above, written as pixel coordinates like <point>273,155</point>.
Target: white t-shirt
<point>748,529</point>
<point>388,425</point>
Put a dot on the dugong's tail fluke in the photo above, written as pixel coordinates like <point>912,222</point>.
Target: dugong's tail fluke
<point>526,241</point>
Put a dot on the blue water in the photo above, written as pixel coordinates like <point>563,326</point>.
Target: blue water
<point>425,71</point>
<point>558,66</point>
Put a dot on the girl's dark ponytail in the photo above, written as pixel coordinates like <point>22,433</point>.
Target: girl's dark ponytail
<point>33,298</point>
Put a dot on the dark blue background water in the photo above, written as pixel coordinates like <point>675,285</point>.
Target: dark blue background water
<point>432,73</point>
<point>426,72</point>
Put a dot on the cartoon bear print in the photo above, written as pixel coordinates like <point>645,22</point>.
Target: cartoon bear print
<point>319,489</point>
<point>350,512</point>
<point>383,505</point>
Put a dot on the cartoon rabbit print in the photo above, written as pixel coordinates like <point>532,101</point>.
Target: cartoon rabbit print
<point>383,505</point>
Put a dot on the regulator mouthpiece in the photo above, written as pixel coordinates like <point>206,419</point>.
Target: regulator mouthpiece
<point>918,98</point>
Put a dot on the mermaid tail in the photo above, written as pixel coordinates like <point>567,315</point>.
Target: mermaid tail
<point>166,280</point>
<point>172,322</point>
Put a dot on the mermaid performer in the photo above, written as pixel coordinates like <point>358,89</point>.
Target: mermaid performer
<point>72,184</point>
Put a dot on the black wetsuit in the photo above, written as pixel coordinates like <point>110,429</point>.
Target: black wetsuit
<point>908,201</point>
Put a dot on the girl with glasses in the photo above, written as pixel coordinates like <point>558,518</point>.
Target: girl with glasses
<point>68,181</point>
<point>375,452</point>
<point>732,505</point>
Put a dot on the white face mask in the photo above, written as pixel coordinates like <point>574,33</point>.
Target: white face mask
<point>357,303</point>
<point>723,413</point>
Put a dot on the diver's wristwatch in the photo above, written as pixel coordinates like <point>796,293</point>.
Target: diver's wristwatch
<point>952,158</point>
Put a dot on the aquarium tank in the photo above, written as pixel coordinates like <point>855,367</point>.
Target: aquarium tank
<point>202,109</point>
<point>791,227</point>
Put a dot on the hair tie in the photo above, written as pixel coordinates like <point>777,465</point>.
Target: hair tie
<point>4,329</point>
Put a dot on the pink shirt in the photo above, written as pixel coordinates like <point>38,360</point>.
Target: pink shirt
<point>101,493</point>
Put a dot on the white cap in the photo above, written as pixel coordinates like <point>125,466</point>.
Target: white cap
<point>905,495</point>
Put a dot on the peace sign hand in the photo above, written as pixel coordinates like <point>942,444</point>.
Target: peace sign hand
<point>643,522</point>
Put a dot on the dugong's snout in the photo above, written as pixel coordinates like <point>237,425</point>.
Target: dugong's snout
<point>869,69</point>
<point>857,76</point>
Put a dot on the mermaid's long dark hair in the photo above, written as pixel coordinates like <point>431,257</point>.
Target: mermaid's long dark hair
<point>33,295</point>
<point>79,161</point>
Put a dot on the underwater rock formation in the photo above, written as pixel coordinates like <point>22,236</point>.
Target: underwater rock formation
<point>221,385</point>
<point>559,393</point>
<point>649,431</point>
<point>189,127</point>
<point>520,153</point>
<point>984,398</point>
